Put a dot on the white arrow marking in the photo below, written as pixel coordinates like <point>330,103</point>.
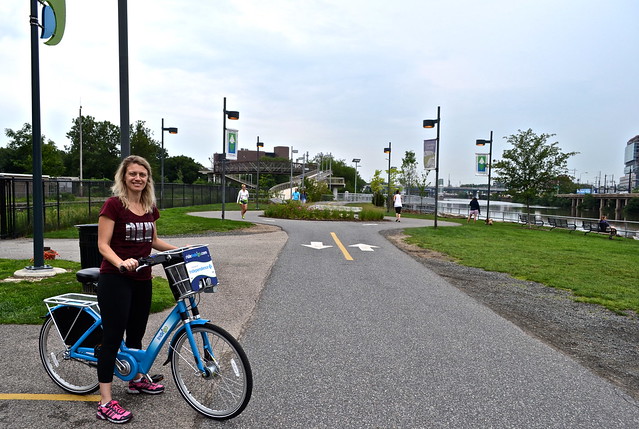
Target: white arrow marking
<point>365,247</point>
<point>316,245</point>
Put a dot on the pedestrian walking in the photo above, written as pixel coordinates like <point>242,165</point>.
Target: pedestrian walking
<point>474,210</point>
<point>242,199</point>
<point>397,203</point>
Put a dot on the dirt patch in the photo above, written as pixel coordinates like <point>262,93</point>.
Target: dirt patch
<point>604,342</point>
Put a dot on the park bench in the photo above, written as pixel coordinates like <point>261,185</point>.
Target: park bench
<point>556,222</point>
<point>530,220</point>
<point>593,226</point>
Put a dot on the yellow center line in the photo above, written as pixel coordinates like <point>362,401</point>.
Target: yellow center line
<point>47,397</point>
<point>341,247</point>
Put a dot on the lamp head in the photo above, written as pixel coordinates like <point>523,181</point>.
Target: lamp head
<point>260,144</point>
<point>430,123</point>
<point>172,130</point>
<point>233,115</point>
<point>387,150</point>
<point>482,142</point>
<point>356,160</point>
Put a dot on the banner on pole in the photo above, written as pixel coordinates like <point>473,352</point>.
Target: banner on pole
<point>430,154</point>
<point>481,164</point>
<point>231,144</point>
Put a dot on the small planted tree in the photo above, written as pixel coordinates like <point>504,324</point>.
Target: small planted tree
<point>377,187</point>
<point>408,174</point>
<point>532,166</point>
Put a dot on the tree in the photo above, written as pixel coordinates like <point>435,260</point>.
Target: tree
<point>18,156</point>
<point>408,173</point>
<point>377,188</point>
<point>315,190</point>
<point>422,186</point>
<point>631,210</point>
<point>142,144</point>
<point>100,151</point>
<point>532,167</point>
<point>181,169</point>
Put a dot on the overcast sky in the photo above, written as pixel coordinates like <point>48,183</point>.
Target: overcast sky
<point>343,77</point>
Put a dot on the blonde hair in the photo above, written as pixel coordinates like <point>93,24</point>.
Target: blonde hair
<point>119,188</point>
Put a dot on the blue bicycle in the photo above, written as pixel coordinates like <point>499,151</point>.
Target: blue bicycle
<point>208,365</point>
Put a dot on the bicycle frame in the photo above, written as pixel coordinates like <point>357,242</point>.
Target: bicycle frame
<point>129,361</point>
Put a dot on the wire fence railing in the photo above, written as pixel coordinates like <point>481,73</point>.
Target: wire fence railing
<point>73,202</point>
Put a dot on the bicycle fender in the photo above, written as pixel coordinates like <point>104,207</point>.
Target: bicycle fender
<point>177,335</point>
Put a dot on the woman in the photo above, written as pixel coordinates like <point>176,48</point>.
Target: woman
<point>474,210</point>
<point>242,199</point>
<point>126,232</point>
<point>397,203</point>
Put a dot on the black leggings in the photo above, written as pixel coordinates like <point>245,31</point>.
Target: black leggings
<point>124,305</point>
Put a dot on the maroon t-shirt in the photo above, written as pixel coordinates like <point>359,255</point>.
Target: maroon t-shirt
<point>132,236</point>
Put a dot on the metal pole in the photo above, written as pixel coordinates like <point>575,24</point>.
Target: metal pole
<point>388,199</point>
<point>291,182</point>
<point>490,160</point>
<point>355,180</point>
<point>437,167</point>
<point>223,157</point>
<point>257,200</point>
<point>81,175</point>
<point>125,141</point>
<point>162,170</point>
<point>38,202</point>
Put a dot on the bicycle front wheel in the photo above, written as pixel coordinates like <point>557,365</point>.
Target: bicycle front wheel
<point>224,389</point>
<point>73,375</point>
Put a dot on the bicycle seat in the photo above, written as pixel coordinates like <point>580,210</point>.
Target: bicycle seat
<point>87,275</point>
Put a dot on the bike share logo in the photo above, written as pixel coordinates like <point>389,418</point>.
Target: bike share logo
<point>197,254</point>
<point>162,332</point>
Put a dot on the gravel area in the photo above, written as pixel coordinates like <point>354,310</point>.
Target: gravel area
<point>604,342</point>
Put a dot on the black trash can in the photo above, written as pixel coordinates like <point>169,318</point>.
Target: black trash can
<point>89,254</point>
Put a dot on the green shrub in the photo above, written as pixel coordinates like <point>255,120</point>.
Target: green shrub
<point>378,199</point>
<point>297,210</point>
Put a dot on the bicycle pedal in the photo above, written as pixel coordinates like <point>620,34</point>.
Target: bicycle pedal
<point>157,377</point>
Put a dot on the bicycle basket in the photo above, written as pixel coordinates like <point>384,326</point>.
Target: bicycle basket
<point>190,271</point>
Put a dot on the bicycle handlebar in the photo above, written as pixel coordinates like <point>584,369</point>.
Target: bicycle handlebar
<point>158,258</point>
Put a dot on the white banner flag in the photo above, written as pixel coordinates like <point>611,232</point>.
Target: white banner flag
<point>430,154</point>
<point>231,144</point>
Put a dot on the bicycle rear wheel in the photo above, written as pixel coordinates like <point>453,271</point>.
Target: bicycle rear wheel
<point>225,390</point>
<point>73,375</point>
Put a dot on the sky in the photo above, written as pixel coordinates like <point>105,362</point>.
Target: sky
<point>343,77</point>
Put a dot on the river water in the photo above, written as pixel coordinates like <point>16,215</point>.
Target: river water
<point>509,212</point>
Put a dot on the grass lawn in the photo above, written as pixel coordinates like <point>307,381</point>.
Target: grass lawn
<point>596,269</point>
<point>175,221</point>
<point>21,302</point>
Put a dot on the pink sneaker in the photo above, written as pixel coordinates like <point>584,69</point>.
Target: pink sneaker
<point>113,412</point>
<point>144,386</point>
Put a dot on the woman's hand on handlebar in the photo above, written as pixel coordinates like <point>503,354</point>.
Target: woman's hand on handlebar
<point>128,265</point>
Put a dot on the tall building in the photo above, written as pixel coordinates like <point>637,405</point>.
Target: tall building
<point>631,165</point>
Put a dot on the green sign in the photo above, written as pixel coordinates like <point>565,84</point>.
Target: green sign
<point>481,164</point>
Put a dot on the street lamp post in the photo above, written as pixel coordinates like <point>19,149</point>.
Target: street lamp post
<point>490,160</point>
<point>293,152</point>
<point>259,145</point>
<point>356,161</point>
<point>171,130</point>
<point>430,123</point>
<point>388,199</point>
<point>232,115</point>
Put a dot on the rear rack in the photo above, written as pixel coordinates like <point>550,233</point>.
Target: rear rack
<point>74,300</point>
